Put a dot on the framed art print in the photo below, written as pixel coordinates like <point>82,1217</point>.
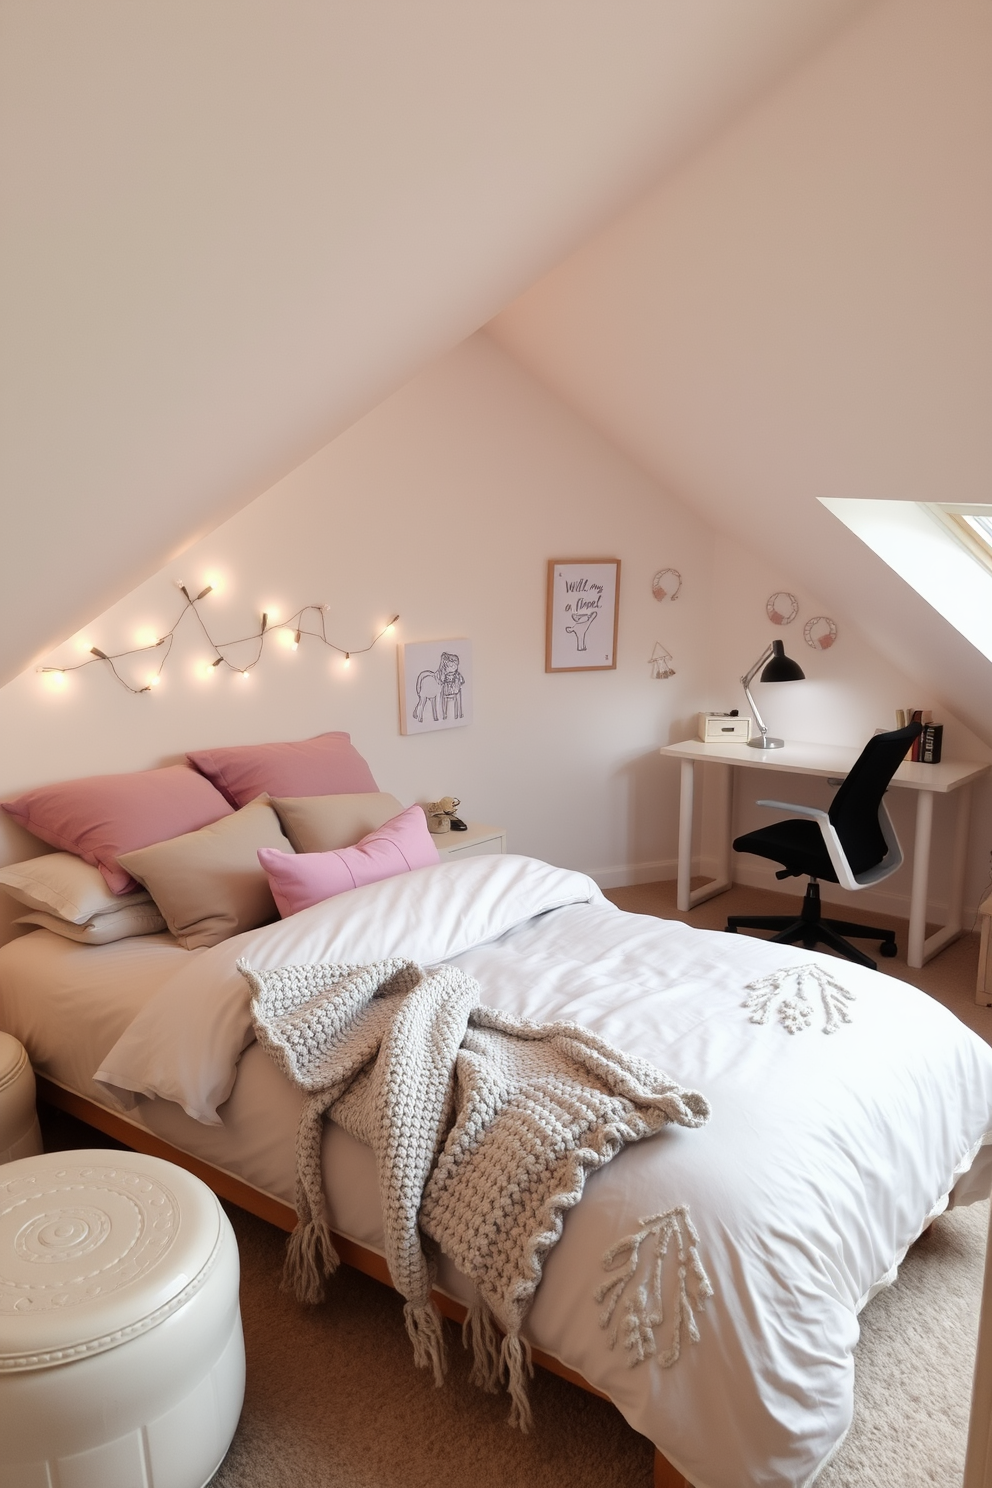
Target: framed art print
<point>583,609</point>
<point>435,685</point>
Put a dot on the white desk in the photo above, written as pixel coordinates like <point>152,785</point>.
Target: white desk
<point>834,761</point>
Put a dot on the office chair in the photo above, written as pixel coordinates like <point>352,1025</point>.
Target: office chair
<point>853,843</point>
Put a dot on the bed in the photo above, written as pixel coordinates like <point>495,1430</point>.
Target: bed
<point>848,1110</point>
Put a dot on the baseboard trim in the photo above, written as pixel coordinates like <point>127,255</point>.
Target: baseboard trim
<point>658,871</point>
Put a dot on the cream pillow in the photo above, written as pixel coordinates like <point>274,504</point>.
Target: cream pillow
<point>61,884</point>
<point>209,884</point>
<point>325,823</point>
<point>116,924</point>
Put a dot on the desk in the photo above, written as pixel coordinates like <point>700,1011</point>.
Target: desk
<point>834,761</point>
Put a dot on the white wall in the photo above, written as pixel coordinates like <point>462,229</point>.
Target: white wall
<point>444,504</point>
<point>231,229</point>
<point>805,310</point>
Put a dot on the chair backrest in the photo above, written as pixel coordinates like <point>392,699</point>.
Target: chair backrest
<point>854,809</point>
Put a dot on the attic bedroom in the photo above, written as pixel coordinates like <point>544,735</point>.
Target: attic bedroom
<point>344,347</point>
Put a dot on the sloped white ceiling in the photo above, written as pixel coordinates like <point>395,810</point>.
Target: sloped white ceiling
<point>231,228</point>
<point>805,310</point>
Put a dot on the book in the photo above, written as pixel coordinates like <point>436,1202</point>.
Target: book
<point>905,716</point>
<point>931,742</point>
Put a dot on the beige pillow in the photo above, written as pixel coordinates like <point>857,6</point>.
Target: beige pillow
<point>209,884</point>
<point>325,823</point>
<point>61,884</point>
<point>116,924</point>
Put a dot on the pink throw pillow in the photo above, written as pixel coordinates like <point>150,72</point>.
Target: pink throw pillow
<point>298,880</point>
<point>328,765</point>
<point>102,816</point>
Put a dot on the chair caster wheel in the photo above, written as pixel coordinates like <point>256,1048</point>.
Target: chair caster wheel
<point>888,948</point>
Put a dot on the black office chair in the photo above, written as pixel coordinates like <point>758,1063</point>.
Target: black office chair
<point>853,843</point>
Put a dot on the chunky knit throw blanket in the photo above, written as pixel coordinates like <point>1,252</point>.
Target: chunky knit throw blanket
<point>484,1128</point>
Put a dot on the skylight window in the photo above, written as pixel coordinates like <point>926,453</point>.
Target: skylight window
<point>943,550</point>
<point>971,525</point>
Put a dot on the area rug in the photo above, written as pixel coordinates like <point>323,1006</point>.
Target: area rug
<point>334,1402</point>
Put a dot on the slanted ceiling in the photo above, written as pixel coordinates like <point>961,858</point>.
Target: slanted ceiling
<point>232,228</point>
<point>805,310</point>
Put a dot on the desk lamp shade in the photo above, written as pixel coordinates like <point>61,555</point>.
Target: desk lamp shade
<point>777,668</point>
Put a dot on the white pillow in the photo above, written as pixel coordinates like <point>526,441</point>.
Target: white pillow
<point>61,884</point>
<point>116,924</point>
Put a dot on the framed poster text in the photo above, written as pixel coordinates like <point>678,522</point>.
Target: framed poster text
<point>583,610</point>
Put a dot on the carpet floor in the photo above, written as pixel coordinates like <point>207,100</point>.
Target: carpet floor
<point>333,1399</point>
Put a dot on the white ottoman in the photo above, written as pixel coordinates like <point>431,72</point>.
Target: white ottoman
<point>20,1135</point>
<point>122,1361</point>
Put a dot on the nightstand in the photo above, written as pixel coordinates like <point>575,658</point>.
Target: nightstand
<point>477,842</point>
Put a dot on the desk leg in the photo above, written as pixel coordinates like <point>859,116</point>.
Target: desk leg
<point>921,878</point>
<point>686,794</point>
<point>922,948</point>
<point>953,928</point>
<point>687,897</point>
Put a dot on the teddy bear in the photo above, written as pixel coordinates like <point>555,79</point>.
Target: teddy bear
<point>441,816</point>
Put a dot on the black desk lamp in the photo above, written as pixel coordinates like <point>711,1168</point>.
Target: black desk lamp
<point>780,668</point>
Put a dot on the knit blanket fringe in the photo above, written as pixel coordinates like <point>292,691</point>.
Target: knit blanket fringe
<point>425,1329</point>
<point>484,1127</point>
<point>310,1257</point>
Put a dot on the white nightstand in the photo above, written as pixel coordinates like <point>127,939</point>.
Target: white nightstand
<point>477,842</point>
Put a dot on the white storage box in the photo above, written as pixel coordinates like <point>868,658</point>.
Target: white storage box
<point>121,1352</point>
<point>717,726</point>
<point>20,1135</point>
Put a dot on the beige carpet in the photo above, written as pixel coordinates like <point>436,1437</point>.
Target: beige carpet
<point>333,1400</point>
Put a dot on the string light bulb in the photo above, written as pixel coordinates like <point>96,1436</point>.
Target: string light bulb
<point>291,632</point>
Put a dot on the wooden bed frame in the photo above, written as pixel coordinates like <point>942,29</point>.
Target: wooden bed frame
<point>283,1216</point>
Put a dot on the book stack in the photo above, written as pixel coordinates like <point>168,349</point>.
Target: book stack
<point>926,749</point>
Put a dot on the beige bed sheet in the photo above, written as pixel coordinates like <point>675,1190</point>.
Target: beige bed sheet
<point>68,1004</point>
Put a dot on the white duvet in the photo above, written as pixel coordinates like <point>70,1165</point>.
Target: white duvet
<point>825,1155</point>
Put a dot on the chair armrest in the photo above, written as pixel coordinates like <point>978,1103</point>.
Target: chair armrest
<point>813,812</point>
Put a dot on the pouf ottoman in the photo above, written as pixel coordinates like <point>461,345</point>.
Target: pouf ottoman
<point>20,1135</point>
<point>122,1360</point>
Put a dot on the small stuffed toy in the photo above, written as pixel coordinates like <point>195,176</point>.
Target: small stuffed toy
<point>441,816</point>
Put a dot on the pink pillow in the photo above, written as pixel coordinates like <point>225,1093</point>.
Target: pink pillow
<point>328,765</point>
<point>104,815</point>
<point>298,880</point>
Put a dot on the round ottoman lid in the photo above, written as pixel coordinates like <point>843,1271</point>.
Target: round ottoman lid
<point>13,1059</point>
<point>95,1247</point>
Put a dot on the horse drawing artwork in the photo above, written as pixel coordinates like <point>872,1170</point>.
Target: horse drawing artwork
<point>445,683</point>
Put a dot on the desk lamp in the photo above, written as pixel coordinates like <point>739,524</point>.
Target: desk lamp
<point>780,668</point>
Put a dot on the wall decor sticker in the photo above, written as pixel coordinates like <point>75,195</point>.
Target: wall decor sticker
<point>661,663</point>
<point>782,608</point>
<point>582,617</point>
<point>820,632</point>
<point>435,680</point>
<point>666,584</point>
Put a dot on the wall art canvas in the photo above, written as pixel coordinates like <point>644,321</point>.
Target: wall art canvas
<point>583,608</point>
<point>435,685</point>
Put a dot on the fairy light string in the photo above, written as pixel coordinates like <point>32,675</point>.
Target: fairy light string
<point>298,623</point>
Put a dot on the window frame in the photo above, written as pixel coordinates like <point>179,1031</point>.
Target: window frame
<point>951,515</point>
